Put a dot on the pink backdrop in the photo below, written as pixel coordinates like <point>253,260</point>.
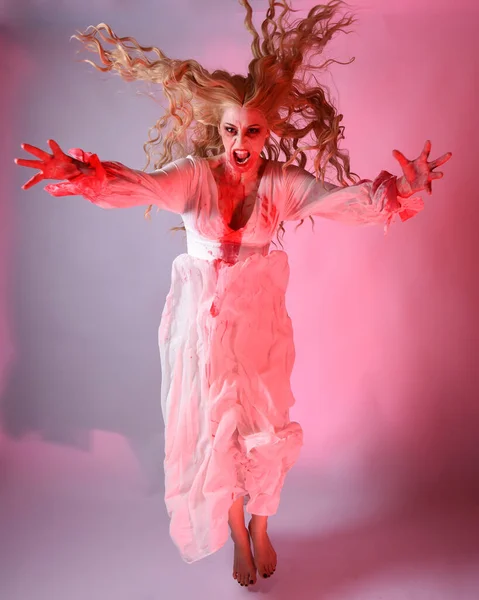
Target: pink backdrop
<point>387,328</point>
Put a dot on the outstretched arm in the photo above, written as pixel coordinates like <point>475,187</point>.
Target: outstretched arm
<point>110,184</point>
<point>368,202</point>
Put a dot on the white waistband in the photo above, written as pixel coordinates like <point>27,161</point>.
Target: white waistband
<point>230,252</point>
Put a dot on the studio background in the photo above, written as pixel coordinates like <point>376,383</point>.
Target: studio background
<point>386,328</point>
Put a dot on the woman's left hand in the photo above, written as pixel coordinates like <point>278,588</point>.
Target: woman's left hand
<point>418,174</point>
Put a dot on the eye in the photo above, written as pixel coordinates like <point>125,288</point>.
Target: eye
<point>231,130</point>
<point>253,130</point>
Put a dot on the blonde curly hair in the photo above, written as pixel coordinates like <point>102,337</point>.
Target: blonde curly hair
<point>300,113</point>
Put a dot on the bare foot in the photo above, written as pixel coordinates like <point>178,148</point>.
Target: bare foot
<point>265,557</point>
<point>244,570</point>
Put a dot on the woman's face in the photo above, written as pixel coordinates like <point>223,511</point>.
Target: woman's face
<point>243,131</point>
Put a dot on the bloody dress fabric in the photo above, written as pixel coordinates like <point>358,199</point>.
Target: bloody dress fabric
<point>225,337</point>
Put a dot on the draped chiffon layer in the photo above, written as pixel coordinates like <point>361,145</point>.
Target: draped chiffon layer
<point>226,347</point>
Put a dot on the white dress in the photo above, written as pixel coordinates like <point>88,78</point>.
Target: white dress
<point>225,338</point>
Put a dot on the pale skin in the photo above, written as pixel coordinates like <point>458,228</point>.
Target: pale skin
<point>237,172</point>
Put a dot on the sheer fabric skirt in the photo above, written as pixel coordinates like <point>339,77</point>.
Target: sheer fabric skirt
<point>227,352</point>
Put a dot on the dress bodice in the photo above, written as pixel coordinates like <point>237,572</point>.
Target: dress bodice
<point>208,235</point>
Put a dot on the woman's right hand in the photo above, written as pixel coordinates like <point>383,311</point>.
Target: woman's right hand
<point>57,165</point>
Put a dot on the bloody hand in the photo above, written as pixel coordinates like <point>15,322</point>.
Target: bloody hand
<point>57,165</point>
<point>418,173</point>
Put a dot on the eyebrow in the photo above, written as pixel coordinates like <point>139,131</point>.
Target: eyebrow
<point>254,125</point>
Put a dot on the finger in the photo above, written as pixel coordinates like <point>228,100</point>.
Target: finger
<point>440,161</point>
<point>438,175</point>
<point>427,149</point>
<point>399,156</point>
<point>34,164</point>
<point>429,188</point>
<point>38,152</point>
<point>55,147</point>
<point>61,189</point>
<point>34,180</point>
<point>77,153</point>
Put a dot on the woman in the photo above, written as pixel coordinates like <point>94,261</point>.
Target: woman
<point>226,341</point>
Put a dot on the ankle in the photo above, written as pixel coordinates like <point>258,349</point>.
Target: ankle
<point>258,525</point>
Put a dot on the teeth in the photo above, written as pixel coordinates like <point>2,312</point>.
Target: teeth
<point>241,156</point>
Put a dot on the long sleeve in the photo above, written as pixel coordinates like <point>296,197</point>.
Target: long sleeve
<point>367,203</point>
<point>113,185</point>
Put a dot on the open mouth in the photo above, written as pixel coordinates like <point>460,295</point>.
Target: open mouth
<point>241,156</point>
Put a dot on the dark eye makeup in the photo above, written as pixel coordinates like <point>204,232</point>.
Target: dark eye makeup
<point>252,130</point>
